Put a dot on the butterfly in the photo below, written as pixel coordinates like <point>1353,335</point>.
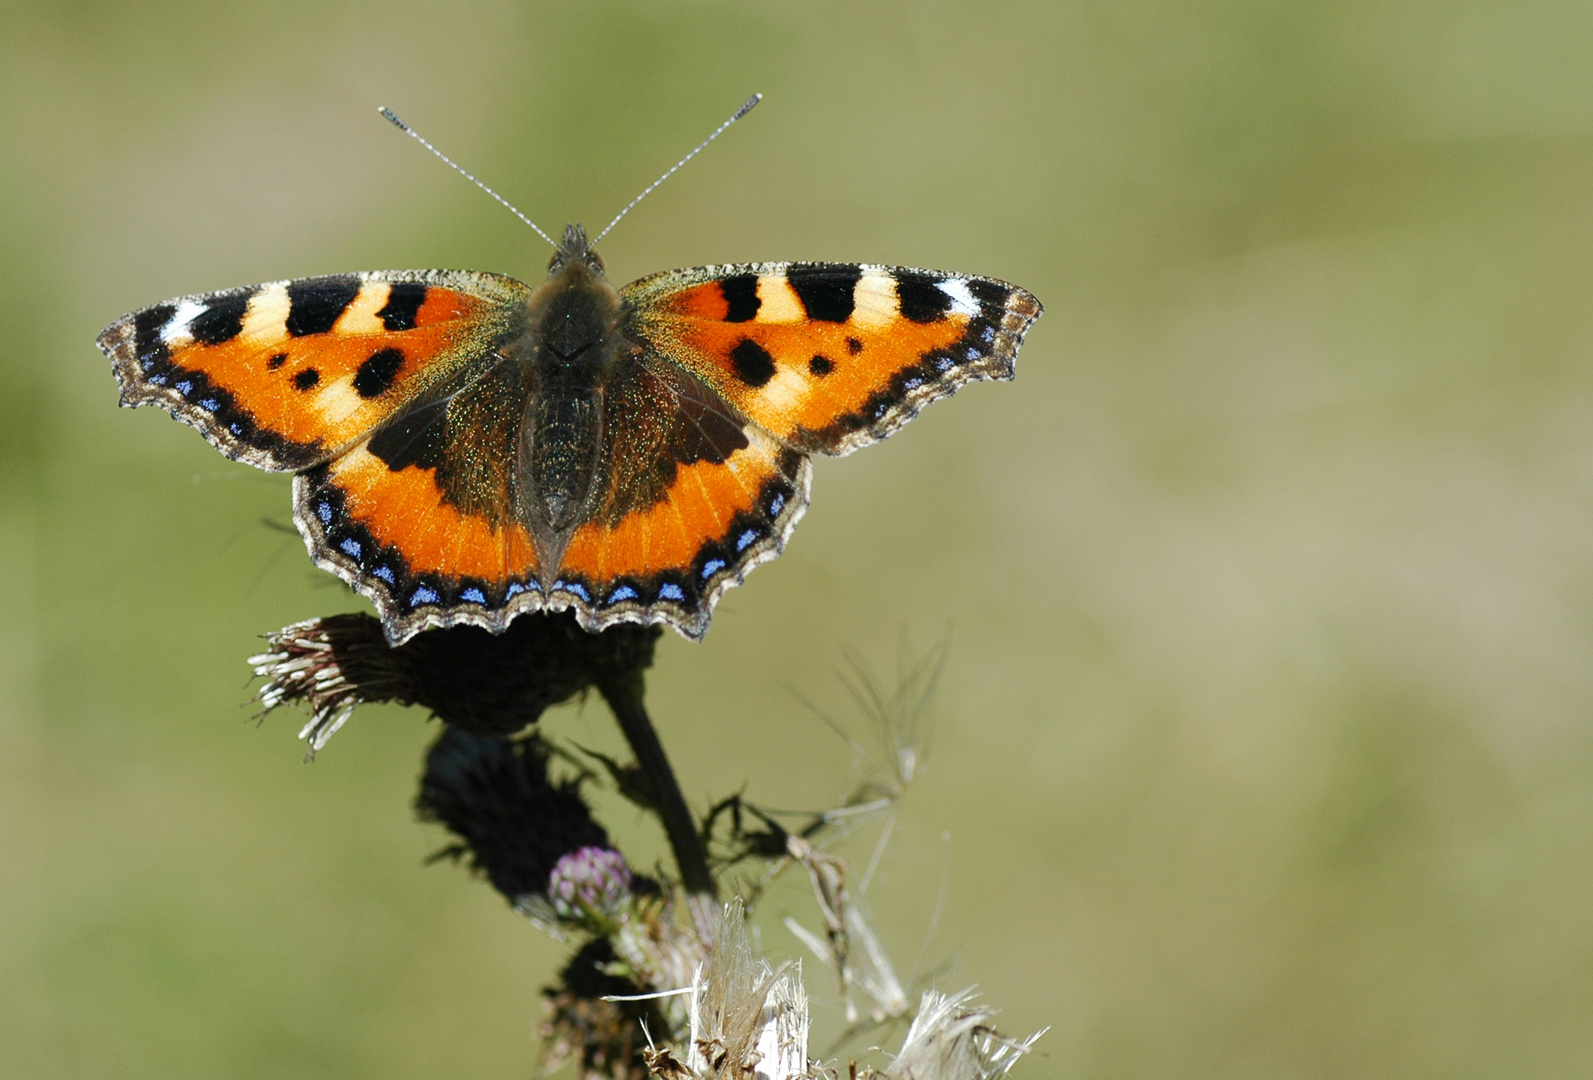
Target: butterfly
<point>468,447</point>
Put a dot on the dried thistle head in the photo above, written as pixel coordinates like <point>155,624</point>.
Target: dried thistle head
<point>953,1039</point>
<point>749,1019</point>
<point>492,684</point>
<point>330,667</point>
<point>533,836</point>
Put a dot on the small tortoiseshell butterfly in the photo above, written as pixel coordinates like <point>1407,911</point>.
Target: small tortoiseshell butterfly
<point>469,447</point>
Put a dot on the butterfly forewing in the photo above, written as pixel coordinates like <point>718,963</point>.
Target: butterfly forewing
<point>287,374</point>
<point>831,356</point>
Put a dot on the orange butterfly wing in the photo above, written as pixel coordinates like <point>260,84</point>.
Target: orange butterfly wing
<point>829,357</point>
<point>744,371</point>
<point>694,497</point>
<point>288,374</point>
<point>357,382</point>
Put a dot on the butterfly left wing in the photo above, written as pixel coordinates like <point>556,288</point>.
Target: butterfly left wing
<point>743,371</point>
<point>829,357</point>
<point>693,497</point>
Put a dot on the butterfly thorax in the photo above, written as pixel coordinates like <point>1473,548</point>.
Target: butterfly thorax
<point>567,352</point>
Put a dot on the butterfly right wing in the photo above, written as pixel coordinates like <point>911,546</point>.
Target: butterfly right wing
<point>286,375</point>
<point>420,516</point>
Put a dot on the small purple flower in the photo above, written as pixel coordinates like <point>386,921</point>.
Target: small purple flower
<point>592,882</point>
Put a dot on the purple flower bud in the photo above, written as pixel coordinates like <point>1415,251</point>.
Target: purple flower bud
<point>591,882</point>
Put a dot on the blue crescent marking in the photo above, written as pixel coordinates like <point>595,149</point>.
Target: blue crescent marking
<point>351,548</point>
<point>712,567</point>
<point>624,592</point>
<point>384,573</point>
<point>670,592</point>
<point>474,595</point>
<point>323,510</point>
<point>423,595</point>
<point>574,588</point>
<point>745,539</point>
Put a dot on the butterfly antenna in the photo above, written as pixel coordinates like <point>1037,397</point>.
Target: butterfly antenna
<point>393,119</point>
<point>746,107</point>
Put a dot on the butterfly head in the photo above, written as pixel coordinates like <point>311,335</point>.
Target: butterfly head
<point>576,250</point>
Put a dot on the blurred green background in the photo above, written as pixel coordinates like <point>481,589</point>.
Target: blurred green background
<point>1263,748</point>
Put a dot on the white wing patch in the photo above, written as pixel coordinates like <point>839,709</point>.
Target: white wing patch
<point>962,301</point>
<point>175,332</point>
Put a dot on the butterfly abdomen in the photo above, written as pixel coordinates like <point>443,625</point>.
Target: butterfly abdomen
<point>559,445</point>
<point>569,350</point>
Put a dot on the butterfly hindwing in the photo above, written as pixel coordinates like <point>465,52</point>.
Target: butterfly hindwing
<point>420,516</point>
<point>285,375</point>
<point>829,357</point>
<point>695,497</point>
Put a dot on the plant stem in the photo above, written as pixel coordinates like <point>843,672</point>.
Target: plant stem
<point>624,696</point>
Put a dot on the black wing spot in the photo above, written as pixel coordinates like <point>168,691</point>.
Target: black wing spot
<point>821,366</point>
<point>415,438</point>
<point>990,293</point>
<point>403,301</point>
<point>307,378</point>
<point>221,321</point>
<point>754,366</point>
<point>920,298</point>
<point>147,325</point>
<point>315,305</point>
<point>375,376</point>
<point>277,361</point>
<point>741,295</point>
<point>826,292</point>
<point>854,346</point>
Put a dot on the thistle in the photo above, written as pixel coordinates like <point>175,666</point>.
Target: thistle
<point>663,979</point>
